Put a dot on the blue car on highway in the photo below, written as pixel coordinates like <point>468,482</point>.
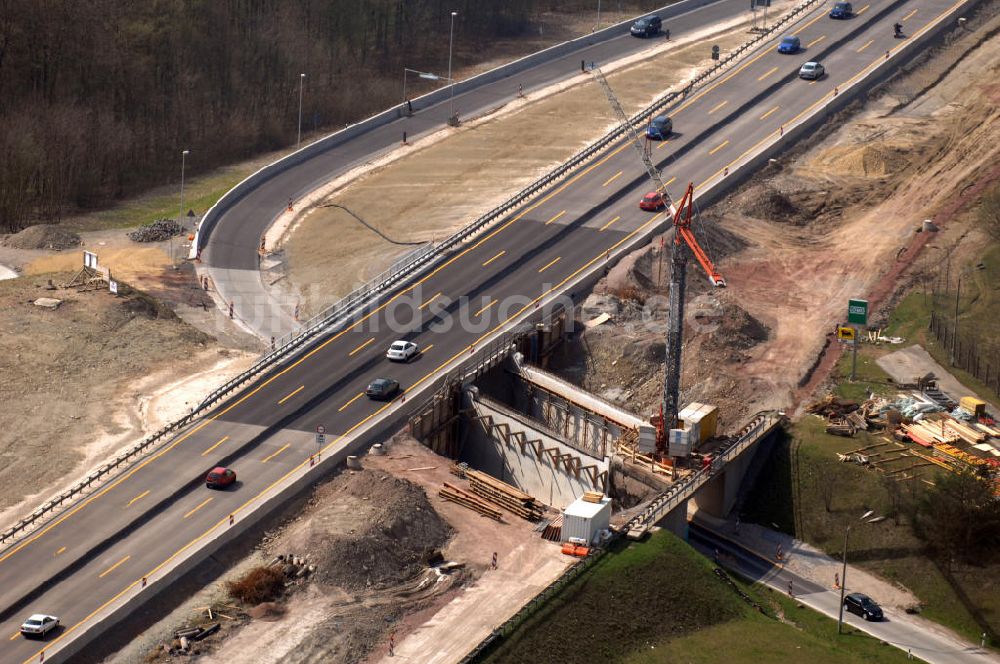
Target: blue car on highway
<point>842,10</point>
<point>659,128</point>
<point>789,45</point>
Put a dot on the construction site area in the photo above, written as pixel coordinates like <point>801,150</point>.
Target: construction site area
<point>600,425</point>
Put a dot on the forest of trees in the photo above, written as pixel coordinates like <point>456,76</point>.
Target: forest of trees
<point>99,97</point>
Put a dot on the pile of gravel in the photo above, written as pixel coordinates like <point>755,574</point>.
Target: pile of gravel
<point>43,236</point>
<point>158,231</point>
<point>764,202</point>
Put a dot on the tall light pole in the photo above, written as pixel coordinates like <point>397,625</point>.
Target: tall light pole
<point>451,42</point>
<point>843,572</point>
<point>180,217</point>
<point>598,15</point>
<point>302,78</point>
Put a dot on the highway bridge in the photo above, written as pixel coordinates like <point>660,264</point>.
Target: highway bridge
<point>131,536</point>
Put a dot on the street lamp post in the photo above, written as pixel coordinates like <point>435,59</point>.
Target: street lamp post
<point>302,78</point>
<point>598,15</point>
<point>180,216</point>
<point>421,74</point>
<point>843,571</point>
<point>451,42</point>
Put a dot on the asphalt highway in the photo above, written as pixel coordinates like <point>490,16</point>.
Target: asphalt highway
<point>137,524</point>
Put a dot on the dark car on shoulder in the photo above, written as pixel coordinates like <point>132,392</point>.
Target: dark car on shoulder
<point>646,26</point>
<point>864,606</point>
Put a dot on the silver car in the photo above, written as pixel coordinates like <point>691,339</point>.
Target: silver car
<point>811,71</point>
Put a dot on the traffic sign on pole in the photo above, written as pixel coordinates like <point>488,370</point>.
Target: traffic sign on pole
<point>857,311</point>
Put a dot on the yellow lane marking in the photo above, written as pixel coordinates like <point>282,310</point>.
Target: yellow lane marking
<point>353,399</point>
<point>34,657</point>
<point>15,635</point>
<point>718,106</point>
<point>268,458</point>
<point>862,10</point>
<point>864,71</point>
<point>495,257</point>
<point>61,549</point>
<point>115,566</point>
<point>663,143</point>
<point>768,73</point>
<point>910,15</point>
<point>605,226</point>
<point>550,264</point>
<point>426,348</point>
<point>429,301</point>
<point>200,505</point>
<point>293,393</point>
<point>250,394</point>
<point>139,497</point>
<point>485,308</point>
<point>815,41</point>
<point>221,441</point>
<point>555,217</point>
<point>667,183</point>
<point>365,344</point>
<point>612,179</point>
<point>719,146</point>
<point>814,81</point>
<point>869,43</point>
<point>769,113</point>
<point>821,15</point>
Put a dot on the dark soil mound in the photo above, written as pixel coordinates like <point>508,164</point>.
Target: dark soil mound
<point>401,532</point>
<point>763,202</point>
<point>737,330</point>
<point>43,236</point>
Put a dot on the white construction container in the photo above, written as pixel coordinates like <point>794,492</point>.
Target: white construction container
<point>679,442</point>
<point>647,439</point>
<point>700,418</point>
<point>583,520</point>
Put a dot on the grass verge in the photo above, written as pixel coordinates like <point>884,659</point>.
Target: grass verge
<point>659,601</point>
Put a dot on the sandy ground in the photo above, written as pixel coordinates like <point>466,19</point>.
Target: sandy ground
<point>87,380</point>
<point>425,191</point>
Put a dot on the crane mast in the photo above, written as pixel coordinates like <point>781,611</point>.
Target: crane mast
<point>683,235</point>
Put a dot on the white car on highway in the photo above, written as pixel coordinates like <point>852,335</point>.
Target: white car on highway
<point>402,351</point>
<point>39,625</point>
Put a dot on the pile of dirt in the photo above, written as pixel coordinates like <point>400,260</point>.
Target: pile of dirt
<point>43,236</point>
<point>158,231</point>
<point>395,532</point>
<point>735,330</point>
<point>765,202</point>
<point>870,160</point>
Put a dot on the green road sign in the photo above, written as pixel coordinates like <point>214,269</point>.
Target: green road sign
<point>857,312</point>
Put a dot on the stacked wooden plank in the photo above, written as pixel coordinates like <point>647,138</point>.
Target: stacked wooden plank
<point>506,496</point>
<point>553,530</point>
<point>593,497</point>
<point>965,432</point>
<point>462,497</point>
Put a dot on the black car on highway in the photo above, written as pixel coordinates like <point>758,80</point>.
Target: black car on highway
<point>646,26</point>
<point>382,389</point>
<point>864,606</point>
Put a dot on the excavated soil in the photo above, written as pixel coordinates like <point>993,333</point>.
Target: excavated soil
<point>43,236</point>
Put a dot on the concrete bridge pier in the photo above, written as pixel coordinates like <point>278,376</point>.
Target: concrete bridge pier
<point>676,521</point>
<point>720,494</point>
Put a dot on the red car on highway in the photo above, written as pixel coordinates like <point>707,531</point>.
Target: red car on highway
<point>220,478</point>
<point>653,201</point>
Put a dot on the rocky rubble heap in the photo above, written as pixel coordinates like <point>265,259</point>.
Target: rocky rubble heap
<point>158,231</point>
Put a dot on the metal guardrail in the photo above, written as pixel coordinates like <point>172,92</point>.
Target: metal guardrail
<point>760,424</point>
<point>339,312</point>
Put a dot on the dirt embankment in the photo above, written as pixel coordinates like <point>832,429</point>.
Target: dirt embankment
<point>824,224</point>
<point>72,378</point>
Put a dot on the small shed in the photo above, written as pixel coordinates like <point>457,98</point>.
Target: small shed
<point>584,520</point>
